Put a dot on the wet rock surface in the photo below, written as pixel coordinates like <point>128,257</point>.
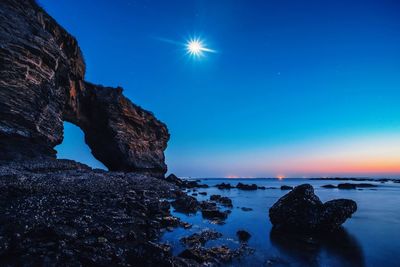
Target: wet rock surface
<point>200,239</point>
<point>42,70</point>
<point>60,212</point>
<point>302,210</point>
<point>185,204</point>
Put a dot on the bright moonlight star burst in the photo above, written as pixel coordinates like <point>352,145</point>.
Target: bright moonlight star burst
<point>196,48</point>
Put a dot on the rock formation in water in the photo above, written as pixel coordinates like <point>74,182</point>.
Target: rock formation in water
<point>302,210</point>
<point>42,84</point>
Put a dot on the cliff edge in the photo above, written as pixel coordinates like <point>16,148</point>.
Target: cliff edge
<point>42,84</point>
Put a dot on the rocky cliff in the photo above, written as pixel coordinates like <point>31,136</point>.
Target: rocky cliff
<point>42,84</point>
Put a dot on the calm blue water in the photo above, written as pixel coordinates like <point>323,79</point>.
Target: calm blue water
<point>371,237</point>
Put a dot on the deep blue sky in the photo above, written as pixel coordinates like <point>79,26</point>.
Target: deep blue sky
<point>291,80</point>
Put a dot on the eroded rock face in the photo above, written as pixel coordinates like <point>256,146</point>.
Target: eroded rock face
<point>42,84</point>
<point>302,210</point>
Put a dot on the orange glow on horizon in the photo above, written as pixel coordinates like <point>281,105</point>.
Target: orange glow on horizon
<point>281,177</point>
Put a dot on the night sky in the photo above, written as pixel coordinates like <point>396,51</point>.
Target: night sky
<point>292,88</point>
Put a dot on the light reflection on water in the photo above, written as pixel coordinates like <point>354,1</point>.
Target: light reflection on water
<point>370,238</point>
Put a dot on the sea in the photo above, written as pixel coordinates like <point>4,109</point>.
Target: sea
<point>371,237</point>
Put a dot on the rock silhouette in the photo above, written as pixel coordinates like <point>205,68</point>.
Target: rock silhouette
<point>42,84</point>
<point>302,210</point>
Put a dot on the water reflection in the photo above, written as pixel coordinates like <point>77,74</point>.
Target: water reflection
<point>334,249</point>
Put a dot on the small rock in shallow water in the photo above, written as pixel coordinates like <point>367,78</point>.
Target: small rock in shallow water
<point>243,235</point>
<point>329,186</point>
<point>224,186</point>
<point>215,197</point>
<point>246,186</point>
<point>246,209</point>
<point>199,239</point>
<point>286,187</point>
<point>185,204</point>
<point>214,214</point>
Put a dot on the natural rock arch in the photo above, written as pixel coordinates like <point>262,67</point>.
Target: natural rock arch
<point>42,84</point>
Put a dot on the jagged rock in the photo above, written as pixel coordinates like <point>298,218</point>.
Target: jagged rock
<point>63,213</point>
<point>302,210</point>
<point>246,186</point>
<point>172,178</point>
<point>42,84</point>
<point>243,235</point>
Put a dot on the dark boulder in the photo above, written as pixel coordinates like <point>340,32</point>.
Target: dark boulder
<point>246,209</point>
<point>172,178</point>
<point>214,214</point>
<point>243,235</point>
<point>224,186</point>
<point>302,210</point>
<point>186,204</point>
<point>347,186</point>
<point>246,186</point>
<point>286,187</point>
<point>329,186</point>
<point>215,197</point>
<point>226,201</point>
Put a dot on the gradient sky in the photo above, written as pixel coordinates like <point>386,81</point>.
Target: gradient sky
<point>296,88</point>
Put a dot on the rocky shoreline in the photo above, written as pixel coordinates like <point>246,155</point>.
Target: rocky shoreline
<point>60,212</point>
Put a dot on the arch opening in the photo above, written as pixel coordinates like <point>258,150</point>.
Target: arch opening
<point>73,147</point>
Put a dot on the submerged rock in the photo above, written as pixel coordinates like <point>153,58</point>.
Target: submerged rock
<point>302,210</point>
<point>246,209</point>
<point>243,235</point>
